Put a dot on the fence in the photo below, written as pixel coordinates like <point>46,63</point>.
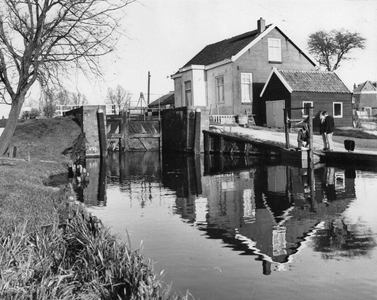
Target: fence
<point>222,119</point>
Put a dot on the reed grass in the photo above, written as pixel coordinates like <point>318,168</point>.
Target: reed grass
<point>71,259</point>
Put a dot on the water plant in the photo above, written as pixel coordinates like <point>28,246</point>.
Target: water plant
<point>75,260</point>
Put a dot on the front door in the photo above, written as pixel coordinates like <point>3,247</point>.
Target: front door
<point>275,113</point>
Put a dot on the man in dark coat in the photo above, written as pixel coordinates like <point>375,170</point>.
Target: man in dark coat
<point>326,128</point>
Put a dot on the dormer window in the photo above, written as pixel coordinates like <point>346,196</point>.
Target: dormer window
<point>274,50</point>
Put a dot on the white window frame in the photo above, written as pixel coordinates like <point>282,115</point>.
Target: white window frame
<point>246,87</point>
<point>303,107</point>
<point>368,110</point>
<point>220,98</point>
<point>341,109</point>
<point>188,93</point>
<point>274,50</point>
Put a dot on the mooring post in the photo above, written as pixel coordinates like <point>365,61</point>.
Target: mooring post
<point>286,128</point>
<point>206,141</point>
<point>310,125</point>
<point>101,132</point>
<point>197,131</point>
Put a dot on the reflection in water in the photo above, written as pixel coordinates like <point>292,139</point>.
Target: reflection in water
<point>260,208</point>
<point>92,190</point>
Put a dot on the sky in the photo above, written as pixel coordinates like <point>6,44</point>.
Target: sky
<point>162,35</point>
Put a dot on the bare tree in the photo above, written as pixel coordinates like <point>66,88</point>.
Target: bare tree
<point>330,48</point>
<point>41,40</point>
<point>49,104</point>
<point>118,96</point>
<point>79,99</point>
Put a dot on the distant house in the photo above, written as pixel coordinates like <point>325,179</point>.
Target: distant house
<point>228,76</point>
<point>164,102</point>
<point>287,89</point>
<point>365,98</point>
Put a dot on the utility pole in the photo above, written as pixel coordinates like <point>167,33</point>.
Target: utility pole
<point>149,87</point>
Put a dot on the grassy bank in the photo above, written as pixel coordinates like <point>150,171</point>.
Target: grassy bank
<point>50,248</point>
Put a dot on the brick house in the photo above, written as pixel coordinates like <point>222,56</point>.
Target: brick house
<point>365,98</point>
<point>324,91</point>
<point>228,76</point>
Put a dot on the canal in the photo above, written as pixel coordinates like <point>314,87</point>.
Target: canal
<point>227,227</point>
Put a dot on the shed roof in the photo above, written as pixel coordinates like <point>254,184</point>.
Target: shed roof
<point>163,100</point>
<point>309,81</point>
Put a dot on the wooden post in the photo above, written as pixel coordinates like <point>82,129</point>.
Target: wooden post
<point>101,132</point>
<point>197,131</point>
<point>310,125</point>
<point>287,142</point>
<point>14,154</point>
<point>206,142</point>
<point>313,202</point>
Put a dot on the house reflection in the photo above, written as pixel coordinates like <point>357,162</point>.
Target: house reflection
<point>258,207</point>
<point>255,206</point>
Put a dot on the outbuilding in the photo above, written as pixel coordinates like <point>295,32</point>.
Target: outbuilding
<point>293,89</point>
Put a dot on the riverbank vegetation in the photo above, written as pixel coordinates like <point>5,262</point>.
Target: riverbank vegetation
<point>50,248</point>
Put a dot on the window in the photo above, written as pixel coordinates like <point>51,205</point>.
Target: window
<point>274,50</point>
<point>368,110</point>
<point>338,109</point>
<point>220,89</point>
<point>188,94</point>
<point>246,88</point>
<point>306,105</point>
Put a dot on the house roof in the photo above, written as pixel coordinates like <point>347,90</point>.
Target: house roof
<point>365,86</point>
<point>230,49</point>
<point>223,50</point>
<point>309,81</point>
<point>163,100</point>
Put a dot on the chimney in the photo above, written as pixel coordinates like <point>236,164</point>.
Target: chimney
<point>261,25</point>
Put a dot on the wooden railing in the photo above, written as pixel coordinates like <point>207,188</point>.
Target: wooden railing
<point>222,119</point>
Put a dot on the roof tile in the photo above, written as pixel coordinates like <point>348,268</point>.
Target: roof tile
<point>314,81</point>
<point>222,50</point>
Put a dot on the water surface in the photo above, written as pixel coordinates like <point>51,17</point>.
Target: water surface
<point>243,228</point>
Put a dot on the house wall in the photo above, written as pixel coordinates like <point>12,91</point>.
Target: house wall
<point>227,107</point>
<point>178,95</point>
<point>199,88</point>
<point>324,102</point>
<point>255,61</point>
<point>321,101</point>
<point>275,91</point>
<point>368,99</point>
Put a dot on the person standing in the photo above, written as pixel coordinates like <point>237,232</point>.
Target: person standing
<point>322,129</point>
<point>328,125</point>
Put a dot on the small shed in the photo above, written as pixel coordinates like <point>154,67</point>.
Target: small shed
<point>288,89</point>
<point>164,102</point>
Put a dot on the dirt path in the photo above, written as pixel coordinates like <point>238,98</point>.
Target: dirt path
<point>364,146</point>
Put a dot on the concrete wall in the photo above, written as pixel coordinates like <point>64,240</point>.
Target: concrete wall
<point>87,117</point>
<point>91,129</point>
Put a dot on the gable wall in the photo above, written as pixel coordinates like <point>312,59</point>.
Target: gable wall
<point>255,61</point>
<point>366,100</point>
<point>275,91</point>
